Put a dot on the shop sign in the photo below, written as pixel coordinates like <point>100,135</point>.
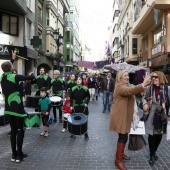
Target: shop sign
<point>157,49</point>
<point>6,50</point>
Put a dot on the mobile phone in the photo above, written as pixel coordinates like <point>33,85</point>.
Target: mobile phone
<point>147,74</point>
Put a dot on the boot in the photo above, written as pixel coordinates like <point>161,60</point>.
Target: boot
<point>119,156</point>
<point>125,157</point>
<point>151,160</point>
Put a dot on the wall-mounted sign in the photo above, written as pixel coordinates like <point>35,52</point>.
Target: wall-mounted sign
<point>5,50</point>
<point>157,49</point>
<point>36,41</point>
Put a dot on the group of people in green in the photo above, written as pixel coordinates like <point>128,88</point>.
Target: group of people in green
<point>14,108</point>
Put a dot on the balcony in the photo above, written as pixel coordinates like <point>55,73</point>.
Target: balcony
<point>66,6</point>
<point>15,6</point>
<point>147,15</point>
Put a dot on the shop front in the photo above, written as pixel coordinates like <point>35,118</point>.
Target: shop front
<point>25,60</point>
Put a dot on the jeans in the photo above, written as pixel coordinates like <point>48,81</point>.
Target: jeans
<point>107,99</point>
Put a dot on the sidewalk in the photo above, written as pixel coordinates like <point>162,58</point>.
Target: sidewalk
<point>59,152</point>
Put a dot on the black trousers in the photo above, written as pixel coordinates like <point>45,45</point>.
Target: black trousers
<point>17,134</point>
<point>55,113</point>
<point>122,138</point>
<point>154,141</point>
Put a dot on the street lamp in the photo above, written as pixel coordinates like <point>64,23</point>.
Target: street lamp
<point>59,40</point>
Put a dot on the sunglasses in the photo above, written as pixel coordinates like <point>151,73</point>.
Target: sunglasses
<point>156,77</point>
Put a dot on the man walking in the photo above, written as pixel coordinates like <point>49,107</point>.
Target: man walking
<point>107,87</point>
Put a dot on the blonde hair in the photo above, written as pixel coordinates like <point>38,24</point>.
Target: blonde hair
<point>119,75</point>
<point>161,76</point>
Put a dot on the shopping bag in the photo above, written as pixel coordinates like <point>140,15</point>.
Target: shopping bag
<point>139,130</point>
<point>136,142</point>
<point>168,131</point>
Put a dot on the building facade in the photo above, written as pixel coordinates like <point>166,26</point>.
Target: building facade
<point>152,22</point>
<point>16,29</point>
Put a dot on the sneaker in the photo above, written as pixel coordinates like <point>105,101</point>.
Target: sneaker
<point>61,121</point>
<point>63,130</point>
<point>21,158</point>
<point>42,133</point>
<point>72,136</point>
<point>104,111</point>
<point>55,120</point>
<point>46,134</point>
<point>13,158</point>
<point>86,137</point>
<point>96,97</point>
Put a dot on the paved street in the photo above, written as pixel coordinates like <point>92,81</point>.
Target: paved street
<point>58,152</point>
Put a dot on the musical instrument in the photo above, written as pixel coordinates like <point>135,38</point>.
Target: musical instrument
<point>33,120</point>
<point>32,101</point>
<point>56,101</point>
<point>3,118</point>
<point>2,102</point>
<point>66,115</point>
<point>77,123</point>
<point>50,120</point>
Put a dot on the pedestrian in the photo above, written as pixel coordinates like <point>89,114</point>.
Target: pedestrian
<point>85,83</point>
<point>98,85</point>
<point>91,85</point>
<point>67,111</point>
<point>154,102</point>
<point>79,99</point>
<point>44,107</point>
<point>107,87</point>
<point>14,108</point>
<point>122,112</point>
<point>71,83</point>
<point>58,88</point>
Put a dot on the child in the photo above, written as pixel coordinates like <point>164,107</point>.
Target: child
<point>67,111</point>
<point>44,108</point>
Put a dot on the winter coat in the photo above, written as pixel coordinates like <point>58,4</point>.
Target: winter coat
<point>123,106</point>
<point>104,84</point>
<point>149,127</point>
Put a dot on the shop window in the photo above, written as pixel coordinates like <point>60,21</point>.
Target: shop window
<point>157,38</point>
<point>9,24</point>
<point>134,46</point>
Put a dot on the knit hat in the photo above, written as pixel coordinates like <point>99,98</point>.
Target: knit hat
<point>56,72</point>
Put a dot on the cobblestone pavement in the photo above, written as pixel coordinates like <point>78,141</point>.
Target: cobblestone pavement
<point>59,152</point>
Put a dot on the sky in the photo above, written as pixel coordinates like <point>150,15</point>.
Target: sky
<point>95,18</point>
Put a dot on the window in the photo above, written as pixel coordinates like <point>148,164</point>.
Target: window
<point>158,38</point>
<point>146,43</point>
<point>134,46</point>
<point>9,24</point>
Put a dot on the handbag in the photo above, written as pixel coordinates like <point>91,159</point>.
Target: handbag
<point>136,142</point>
<point>168,131</point>
<point>139,130</point>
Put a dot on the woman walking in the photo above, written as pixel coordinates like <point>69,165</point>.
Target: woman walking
<point>154,104</point>
<point>122,112</point>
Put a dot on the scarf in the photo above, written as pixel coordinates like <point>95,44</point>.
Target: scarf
<point>160,117</point>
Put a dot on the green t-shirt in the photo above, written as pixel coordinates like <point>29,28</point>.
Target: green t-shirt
<point>44,103</point>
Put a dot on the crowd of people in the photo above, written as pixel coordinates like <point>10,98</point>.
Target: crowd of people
<point>78,90</point>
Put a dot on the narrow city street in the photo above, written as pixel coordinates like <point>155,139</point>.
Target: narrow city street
<point>59,152</point>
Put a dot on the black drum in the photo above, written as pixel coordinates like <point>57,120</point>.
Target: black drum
<point>77,123</point>
<point>32,101</point>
